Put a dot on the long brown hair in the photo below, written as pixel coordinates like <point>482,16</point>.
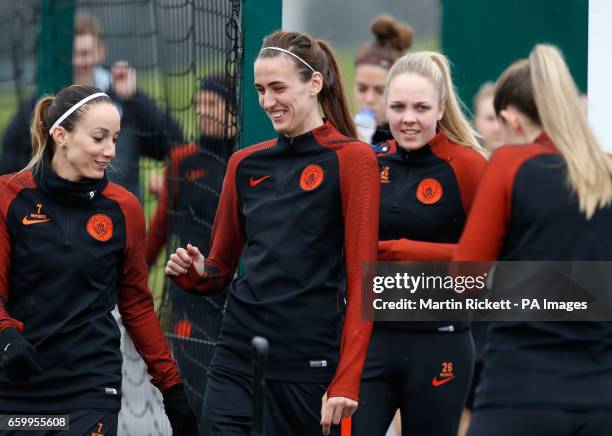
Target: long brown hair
<point>320,56</point>
<point>48,110</point>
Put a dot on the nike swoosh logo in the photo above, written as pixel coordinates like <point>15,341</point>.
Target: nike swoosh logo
<point>7,345</point>
<point>26,221</point>
<point>435,382</point>
<point>258,181</point>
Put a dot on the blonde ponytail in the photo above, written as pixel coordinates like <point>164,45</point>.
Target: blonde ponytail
<point>562,118</point>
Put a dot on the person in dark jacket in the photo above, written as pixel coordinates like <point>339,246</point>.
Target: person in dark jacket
<point>429,173</point>
<point>300,211</point>
<point>186,211</point>
<point>145,129</point>
<point>71,249</point>
<point>547,197</point>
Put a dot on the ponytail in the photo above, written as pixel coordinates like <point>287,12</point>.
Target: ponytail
<point>454,124</point>
<point>39,132</point>
<point>333,99</point>
<point>563,119</point>
<point>49,109</point>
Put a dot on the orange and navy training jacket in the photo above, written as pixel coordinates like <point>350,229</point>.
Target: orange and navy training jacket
<point>524,210</point>
<point>303,213</point>
<point>69,253</point>
<point>425,197</point>
<point>188,202</point>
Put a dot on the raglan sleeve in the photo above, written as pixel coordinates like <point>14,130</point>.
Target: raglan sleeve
<point>5,259</point>
<point>468,167</point>
<point>360,192</point>
<point>136,302</point>
<point>486,225</point>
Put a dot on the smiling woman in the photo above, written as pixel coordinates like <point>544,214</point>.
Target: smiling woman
<point>81,141</point>
<point>307,198</point>
<point>59,342</point>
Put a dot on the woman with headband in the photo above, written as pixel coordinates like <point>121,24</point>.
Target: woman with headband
<point>372,63</point>
<point>71,249</point>
<point>429,174</point>
<point>547,197</point>
<point>301,211</point>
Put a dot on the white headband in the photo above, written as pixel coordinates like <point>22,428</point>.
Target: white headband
<point>66,114</point>
<point>292,54</point>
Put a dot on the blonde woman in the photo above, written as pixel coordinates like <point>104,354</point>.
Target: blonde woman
<point>428,174</point>
<point>548,197</point>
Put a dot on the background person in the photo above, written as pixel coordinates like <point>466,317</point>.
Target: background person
<point>186,211</point>
<point>145,129</point>
<point>485,120</point>
<point>372,63</point>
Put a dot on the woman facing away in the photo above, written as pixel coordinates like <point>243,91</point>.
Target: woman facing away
<point>546,197</point>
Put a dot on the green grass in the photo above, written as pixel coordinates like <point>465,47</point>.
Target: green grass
<point>8,107</point>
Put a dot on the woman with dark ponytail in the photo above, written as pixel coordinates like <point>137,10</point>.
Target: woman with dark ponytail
<point>301,211</point>
<point>71,249</point>
<point>547,197</point>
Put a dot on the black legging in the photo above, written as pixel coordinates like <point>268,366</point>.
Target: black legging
<point>424,374</point>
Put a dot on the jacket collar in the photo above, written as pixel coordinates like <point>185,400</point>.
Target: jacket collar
<point>66,191</point>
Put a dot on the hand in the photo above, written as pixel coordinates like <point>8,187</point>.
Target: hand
<point>18,356</point>
<point>123,80</point>
<point>183,259</point>
<point>334,409</point>
<point>156,184</point>
<point>181,417</point>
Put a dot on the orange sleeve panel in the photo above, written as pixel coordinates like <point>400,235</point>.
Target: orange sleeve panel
<point>468,166</point>
<point>410,250</point>
<point>487,222</point>
<point>135,299</point>
<point>360,191</point>
<point>10,186</point>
